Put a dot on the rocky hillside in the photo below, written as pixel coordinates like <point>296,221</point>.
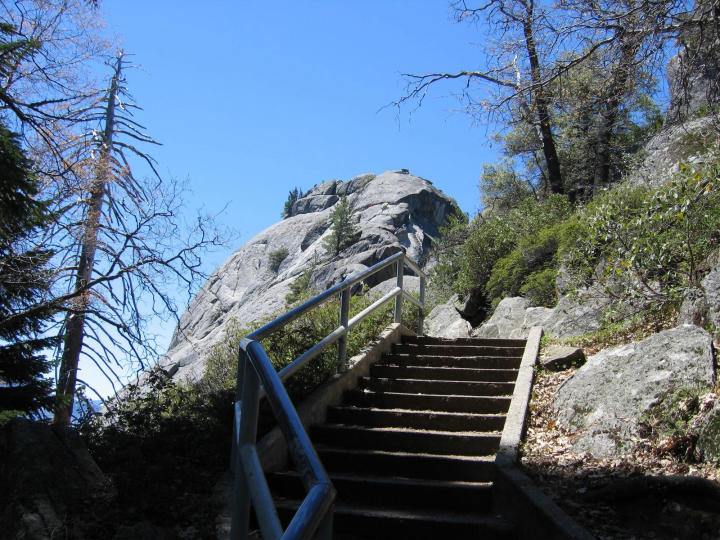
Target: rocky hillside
<point>395,210</point>
<point>654,384</point>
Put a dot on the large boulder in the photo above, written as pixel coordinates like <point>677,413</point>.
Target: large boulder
<point>574,315</point>
<point>560,357</point>
<point>396,211</point>
<point>50,483</point>
<point>687,142</point>
<point>702,305</point>
<point>603,402</point>
<point>446,322</point>
<point>505,320</point>
<point>693,76</point>
<point>708,443</point>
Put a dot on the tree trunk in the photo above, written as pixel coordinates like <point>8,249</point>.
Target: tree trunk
<point>610,111</point>
<point>75,323</point>
<point>541,103</point>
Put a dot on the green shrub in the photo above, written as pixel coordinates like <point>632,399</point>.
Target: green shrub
<point>164,445</point>
<point>297,337</point>
<point>650,245</point>
<point>366,179</point>
<point>502,251</point>
<point>444,275</point>
<point>300,288</point>
<point>539,287</point>
<point>530,268</point>
<point>671,422</point>
<point>276,258</point>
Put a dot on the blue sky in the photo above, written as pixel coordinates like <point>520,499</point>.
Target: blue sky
<point>252,98</point>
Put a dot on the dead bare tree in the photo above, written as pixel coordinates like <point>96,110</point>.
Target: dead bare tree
<point>128,247</point>
<point>47,52</point>
<point>122,251</point>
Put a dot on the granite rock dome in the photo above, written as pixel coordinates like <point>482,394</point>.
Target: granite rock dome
<point>396,210</point>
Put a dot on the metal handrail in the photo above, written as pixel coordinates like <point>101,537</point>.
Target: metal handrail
<point>257,376</point>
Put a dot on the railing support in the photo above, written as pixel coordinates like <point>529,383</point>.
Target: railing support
<point>325,529</point>
<point>247,434</point>
<point>344,315</point>
<point>398,298</point>
<point>421,321</point>
<point>238,405</point>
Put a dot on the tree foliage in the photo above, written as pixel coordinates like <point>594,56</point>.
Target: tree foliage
<point>47,53</point>
<point>501,187</point>
<point>343,227</point>
<point>121,250</point>
<point>293,196</point>
<point>24,281</point>
<point>121,237</point>
<point>570,80</point>
<point>276,258</point>
<point>651,246</point>
<point>163,441</point>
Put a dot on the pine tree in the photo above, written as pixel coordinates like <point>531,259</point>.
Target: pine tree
<point>293,196</point>
<point>24,388</point>
<point>343,227</point>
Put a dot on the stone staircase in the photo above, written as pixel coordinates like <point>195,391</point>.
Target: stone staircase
<point>411,450</point>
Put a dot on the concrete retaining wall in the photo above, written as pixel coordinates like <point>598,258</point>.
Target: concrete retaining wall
<point>514,493</point>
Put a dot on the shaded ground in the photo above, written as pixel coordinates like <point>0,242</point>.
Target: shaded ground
<point>651,493</point>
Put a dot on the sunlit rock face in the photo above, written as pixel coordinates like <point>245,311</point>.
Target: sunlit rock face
<point>396,210</point>
<point>604,402</point>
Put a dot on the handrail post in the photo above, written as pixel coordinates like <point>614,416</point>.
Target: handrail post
<point>237,405</point>
<point>420,310</point>
<point>344,315</point>
<point>247,434</point>
<point>398,298</point>
<point>325,529</point>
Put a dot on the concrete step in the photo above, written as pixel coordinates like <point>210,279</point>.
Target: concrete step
<point>407,464</point>
<point>356,522</point>
<point>482,342</point>
<point>385,491</point>
<point>434,360</point>
<point>458,350</point>
<point>427,402</point>
<point>443,373</point>
<point>419,386</point>
<point>406,440</point>
<point>372,417</point>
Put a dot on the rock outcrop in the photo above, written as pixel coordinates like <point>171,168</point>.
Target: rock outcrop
<point>687,142</point>
<point>603,402</point>
<point>560,357</point>
<point>693,74</point>
<point>574,315</point>
<point>396,211</point>
<point>51,487</point>
<point>583,313</point>
<point>506,320</point>
<point>702,306</point>
<point>446,322</point>
<point>708,443</point>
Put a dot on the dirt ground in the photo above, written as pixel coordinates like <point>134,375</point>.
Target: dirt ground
<point>656,491</point>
